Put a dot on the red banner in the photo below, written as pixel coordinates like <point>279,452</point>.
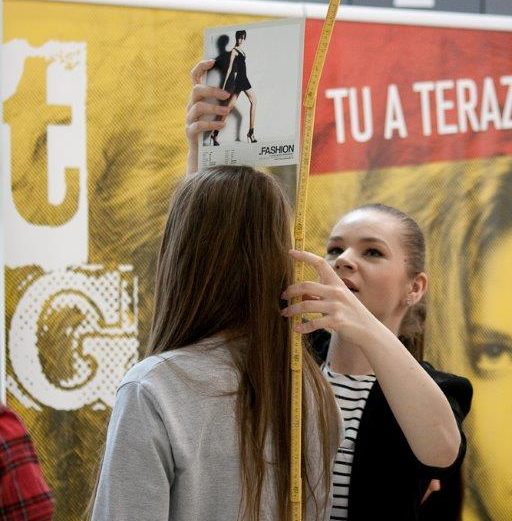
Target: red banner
<point>395,95</point>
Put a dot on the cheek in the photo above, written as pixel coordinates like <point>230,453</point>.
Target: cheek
<point>492,417</point>
<point>489,431</point>
<point>385,288</point>
<point>385,279</point>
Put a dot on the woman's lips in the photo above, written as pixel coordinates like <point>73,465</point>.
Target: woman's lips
<point>350,285</point>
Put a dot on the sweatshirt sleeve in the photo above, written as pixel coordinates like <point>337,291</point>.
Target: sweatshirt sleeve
<point>137,471</point>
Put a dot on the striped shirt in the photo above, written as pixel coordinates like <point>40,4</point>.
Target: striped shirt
<point>351,393</point>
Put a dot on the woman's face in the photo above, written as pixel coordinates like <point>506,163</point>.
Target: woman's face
<point>490,353</point>
<point>240,42</point>
<point>365,249</point>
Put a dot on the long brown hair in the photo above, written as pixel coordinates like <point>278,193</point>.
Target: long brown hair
<point>222,266</point>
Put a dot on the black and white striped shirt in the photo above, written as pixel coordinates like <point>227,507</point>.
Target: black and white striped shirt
<point>351,392</point>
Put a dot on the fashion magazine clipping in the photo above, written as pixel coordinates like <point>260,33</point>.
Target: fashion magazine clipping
<point>260,65</point>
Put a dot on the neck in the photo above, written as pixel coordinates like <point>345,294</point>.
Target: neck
<point>347,358</point>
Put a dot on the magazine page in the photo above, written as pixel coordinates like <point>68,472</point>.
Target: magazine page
<point>260,64</point>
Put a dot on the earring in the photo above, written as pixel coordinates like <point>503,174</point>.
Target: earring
<point>408,301</point>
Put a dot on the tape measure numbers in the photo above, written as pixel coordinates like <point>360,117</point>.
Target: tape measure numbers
<point>299,240</point>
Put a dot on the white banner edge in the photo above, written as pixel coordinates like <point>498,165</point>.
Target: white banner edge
<point>348,13</point>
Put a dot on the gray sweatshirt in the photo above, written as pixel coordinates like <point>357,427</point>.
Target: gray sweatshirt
<point>172,451</point>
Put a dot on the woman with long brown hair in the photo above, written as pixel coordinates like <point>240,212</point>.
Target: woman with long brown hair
<point>201,427</point>
<point>402,417</point>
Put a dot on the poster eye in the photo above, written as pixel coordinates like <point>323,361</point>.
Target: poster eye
<point>492,358</point>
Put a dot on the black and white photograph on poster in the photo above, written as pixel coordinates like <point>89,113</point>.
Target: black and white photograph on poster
<point>260,65</point>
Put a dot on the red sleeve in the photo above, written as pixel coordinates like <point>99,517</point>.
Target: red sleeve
<point>24,494</point>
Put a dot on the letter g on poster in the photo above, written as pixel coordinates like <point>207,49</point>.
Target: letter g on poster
<point>46,206</point>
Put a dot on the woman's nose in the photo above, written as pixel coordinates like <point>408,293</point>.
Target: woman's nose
<point>345,261</point>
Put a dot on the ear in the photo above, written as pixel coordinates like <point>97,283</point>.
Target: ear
<point>418,287</point>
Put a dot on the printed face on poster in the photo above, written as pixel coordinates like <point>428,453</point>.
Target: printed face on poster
<point>260,65</point>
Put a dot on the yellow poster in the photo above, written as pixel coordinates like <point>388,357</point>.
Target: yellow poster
<point>94,109</point>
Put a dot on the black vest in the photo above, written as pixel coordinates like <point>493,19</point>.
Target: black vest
<point>388,482</point>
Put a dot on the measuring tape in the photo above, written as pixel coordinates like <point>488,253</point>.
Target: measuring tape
<point>299,239</point>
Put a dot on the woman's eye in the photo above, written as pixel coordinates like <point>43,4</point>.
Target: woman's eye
<point>492,358</point>
<point>334,250</point>
<point>373,252</point>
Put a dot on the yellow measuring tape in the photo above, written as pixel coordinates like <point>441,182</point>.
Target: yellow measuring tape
<point>299,236</point>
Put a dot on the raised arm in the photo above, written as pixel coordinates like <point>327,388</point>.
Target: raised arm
<point>230,68</point>
<point>417,402</point>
